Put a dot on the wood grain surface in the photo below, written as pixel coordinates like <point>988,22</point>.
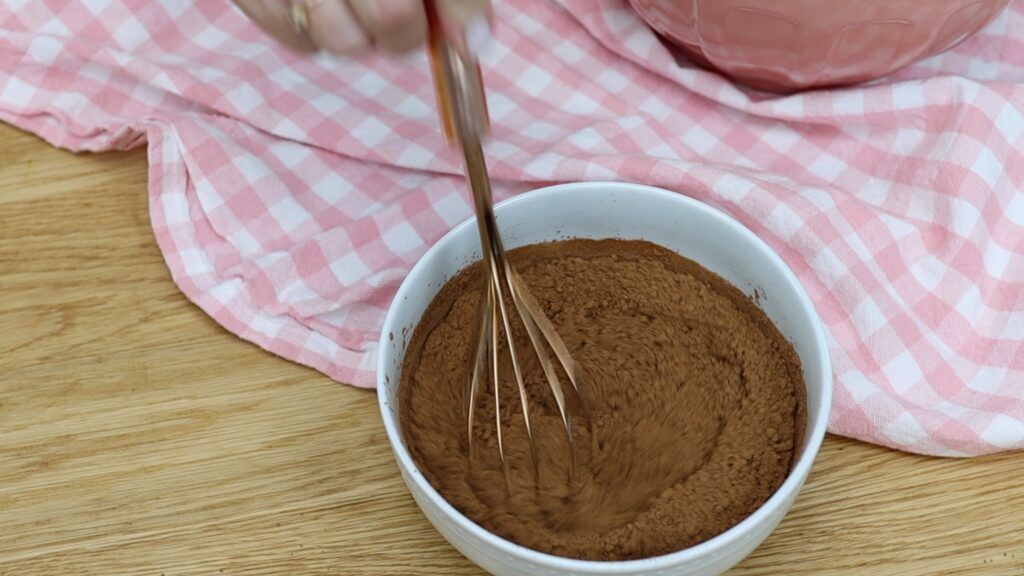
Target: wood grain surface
<point>138,437</point>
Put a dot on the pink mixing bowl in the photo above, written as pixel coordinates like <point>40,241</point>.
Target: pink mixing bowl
<point>795,44</point>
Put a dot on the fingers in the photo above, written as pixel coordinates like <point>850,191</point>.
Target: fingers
<point>393,25</point>
<point>333,27</point>
<point>464,11</point>
<point>273,17</point>
<point>347,27</point>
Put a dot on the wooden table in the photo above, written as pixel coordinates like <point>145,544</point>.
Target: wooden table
<point>138,437</point>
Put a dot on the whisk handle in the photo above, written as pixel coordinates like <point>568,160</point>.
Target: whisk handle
<point>458,82</point>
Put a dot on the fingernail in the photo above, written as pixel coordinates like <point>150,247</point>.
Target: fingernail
<point>350,36</point>
<point>478,33</point>
<point>334,29</point>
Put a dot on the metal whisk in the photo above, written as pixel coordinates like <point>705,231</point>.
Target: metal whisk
<point>464,116</point>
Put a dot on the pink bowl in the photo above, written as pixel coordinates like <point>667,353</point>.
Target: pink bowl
<point>795,44</point>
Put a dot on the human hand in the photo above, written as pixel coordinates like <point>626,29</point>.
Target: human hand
<point>347,27</point>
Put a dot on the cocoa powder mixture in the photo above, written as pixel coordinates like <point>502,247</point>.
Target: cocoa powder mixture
<point>698,403</point>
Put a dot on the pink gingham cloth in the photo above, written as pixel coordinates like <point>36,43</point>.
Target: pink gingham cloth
<point>291,195</point>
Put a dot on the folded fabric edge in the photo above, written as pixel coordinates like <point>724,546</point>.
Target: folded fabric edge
<point>224,300</point>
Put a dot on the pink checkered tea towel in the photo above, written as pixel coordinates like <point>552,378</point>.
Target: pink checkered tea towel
<point>290,195</point>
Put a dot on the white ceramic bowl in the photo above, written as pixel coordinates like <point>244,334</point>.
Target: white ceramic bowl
<point>610,210</point>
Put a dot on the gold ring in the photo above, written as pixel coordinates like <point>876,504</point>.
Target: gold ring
<point>299,14</point>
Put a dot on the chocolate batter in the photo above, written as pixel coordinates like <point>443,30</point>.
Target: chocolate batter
<point>698,405</point>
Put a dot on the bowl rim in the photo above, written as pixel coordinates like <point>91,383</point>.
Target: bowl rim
<point>790,486</point>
